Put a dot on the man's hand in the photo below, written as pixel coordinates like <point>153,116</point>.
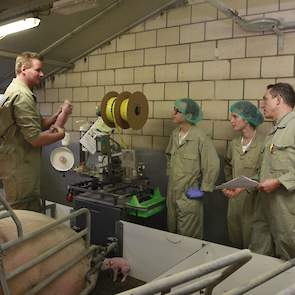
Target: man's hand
<point>63,116</point>
<point>67,107</point>
<point>232,193</point>
<point>269,185</point>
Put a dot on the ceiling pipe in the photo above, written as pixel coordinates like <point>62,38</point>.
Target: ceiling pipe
<point>13,55</point>
<point>124,30</point>
<point>79,28</point>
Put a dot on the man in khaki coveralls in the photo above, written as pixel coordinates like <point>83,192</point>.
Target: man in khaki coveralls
<point>277,175</point>
<point>243,157</point>
<point>192,163</point>
<point>21,141</point>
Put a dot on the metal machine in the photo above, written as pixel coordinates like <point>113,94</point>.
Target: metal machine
<point>114,187</point>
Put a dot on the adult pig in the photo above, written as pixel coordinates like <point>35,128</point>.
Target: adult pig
<point>70,283</point>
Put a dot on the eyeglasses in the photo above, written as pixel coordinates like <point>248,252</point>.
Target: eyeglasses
<point>176,111</point>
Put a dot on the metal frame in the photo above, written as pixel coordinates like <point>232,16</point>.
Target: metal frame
<point>264,278</point>
<point>231,263</point>
<point>89,250</point>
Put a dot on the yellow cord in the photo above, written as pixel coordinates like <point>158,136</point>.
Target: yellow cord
<point>110,108</point>
<point>124,108</point>
<point>110,113</point>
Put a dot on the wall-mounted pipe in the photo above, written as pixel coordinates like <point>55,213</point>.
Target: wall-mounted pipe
<point>255,25</point>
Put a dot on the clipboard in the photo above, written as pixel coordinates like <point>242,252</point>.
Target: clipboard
<point>239,182</point>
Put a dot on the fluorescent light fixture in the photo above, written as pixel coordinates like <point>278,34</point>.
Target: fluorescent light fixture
<point>18,26</point>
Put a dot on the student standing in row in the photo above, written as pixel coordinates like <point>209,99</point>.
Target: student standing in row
<point>277,176</point>
<point>193,168</point>
<point>243,157</point>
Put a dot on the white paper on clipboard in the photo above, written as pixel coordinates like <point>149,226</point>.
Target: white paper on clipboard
<point>239,182</point>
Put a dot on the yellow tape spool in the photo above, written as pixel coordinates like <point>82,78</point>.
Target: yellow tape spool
<point>124,108</point>
<point>107,108</point>
<point>110,109</point>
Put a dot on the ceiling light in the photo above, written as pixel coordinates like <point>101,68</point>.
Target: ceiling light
<point>18,26</point>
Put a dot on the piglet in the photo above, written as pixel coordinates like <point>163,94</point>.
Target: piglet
<point>118,265</point>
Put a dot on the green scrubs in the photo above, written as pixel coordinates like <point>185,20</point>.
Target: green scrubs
<point>19,160</point>
<point>277,211</point>
<point>241,209</point>
<point>193,163</point>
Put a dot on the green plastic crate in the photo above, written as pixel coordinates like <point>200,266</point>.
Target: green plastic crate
<point>156,203</point>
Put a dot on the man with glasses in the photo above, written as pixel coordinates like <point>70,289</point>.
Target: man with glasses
<point>193,168</point>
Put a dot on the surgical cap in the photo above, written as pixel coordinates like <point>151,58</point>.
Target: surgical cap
<point>189,110</point>
<point>247,111</point>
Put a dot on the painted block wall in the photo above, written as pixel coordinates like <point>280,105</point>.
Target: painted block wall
<point>192,51</point>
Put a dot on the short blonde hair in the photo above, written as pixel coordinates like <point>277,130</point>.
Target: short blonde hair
<point>25,59</point>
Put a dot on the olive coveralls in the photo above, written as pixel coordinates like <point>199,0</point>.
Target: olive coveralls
<point>277,213</point>
<point>241,209</point>
<point>193,163</point>
<point>19,160</point>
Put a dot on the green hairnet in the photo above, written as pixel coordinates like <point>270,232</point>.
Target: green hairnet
<point>189,110</point>
<point>247,111</point>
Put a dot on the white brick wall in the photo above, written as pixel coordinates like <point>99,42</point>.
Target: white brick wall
<point>89,78</point>
<point>203,12</point>
<point>156,22</point>
<point>174,91</point>
<point>144,75</point>
<point>179,16</point>
<point>192,33</point>
<point>146,39</point>
<point>114,60</point>
<point>203,51</point>
<point>80,94</point>
<point>190,71</point>
<point>177,54</point>
<point>169,36</point>
<point>134,58</point>
<point>155,56</point>
<point>124,76</point>
<point>192,51</point>
<point>126,42</point>
<point>97,62</point>
<point>65,93</point>
<point>219,29</point>
<point>166,73</point>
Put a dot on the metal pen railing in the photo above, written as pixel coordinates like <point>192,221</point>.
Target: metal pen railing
<point>8,212</point>
<point>262,279</point>
<point>84,234</point>
<point>229,264</point>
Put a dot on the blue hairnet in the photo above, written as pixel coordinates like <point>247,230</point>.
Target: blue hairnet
<point>189,109</point>
<point>247,111</point>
